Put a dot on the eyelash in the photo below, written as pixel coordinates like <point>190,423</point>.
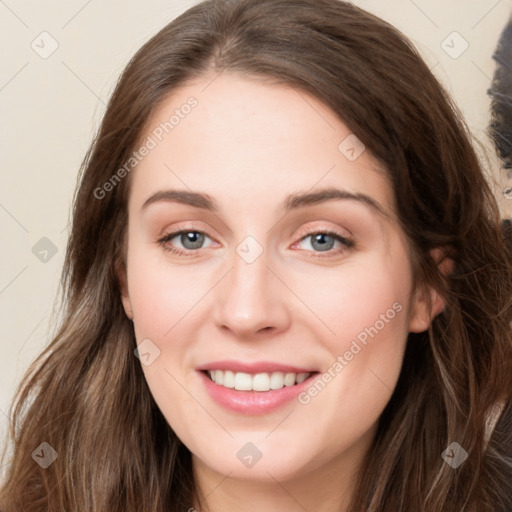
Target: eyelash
<point>346,242</point>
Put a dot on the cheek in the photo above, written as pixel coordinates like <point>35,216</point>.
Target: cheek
<point>365,309</point>
<point>161,295</point>
<point>162,299</point>
<point>355,299</point>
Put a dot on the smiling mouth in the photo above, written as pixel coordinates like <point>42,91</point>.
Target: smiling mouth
<point>241,381</point>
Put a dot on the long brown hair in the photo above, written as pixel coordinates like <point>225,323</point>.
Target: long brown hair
<point>86,395</point>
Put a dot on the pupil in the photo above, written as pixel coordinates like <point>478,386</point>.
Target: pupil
<point>194,238</point>
<point>320,239</point>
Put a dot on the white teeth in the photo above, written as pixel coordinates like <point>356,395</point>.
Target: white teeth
<point>258,382</point>
<point>289,379</point>
<point>219,376</point>
<point>243,381</point>
<point>301,377</point>
<point>262,382</point>
<point>229,379</point>
<point>276,380</point>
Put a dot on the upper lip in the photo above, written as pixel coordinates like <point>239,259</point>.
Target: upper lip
<point>253,367</point>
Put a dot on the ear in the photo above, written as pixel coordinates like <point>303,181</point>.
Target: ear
<point>123,287</point>
<point>421,315</point>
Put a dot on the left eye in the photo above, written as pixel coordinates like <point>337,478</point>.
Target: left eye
<point>324,241</point>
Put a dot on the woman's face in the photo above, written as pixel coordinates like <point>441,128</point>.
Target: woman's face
<point>290,265</point>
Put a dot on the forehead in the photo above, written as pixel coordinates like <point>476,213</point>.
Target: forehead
<point>230,136</point>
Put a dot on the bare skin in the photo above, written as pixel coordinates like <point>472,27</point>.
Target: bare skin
<point>249,145</point>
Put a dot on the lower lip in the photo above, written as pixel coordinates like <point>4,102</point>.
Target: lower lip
<point>253,402</point>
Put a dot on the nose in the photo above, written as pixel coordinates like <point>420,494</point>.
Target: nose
<point>251,300</point>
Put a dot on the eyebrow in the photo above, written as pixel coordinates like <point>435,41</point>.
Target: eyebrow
<point>291,202</point>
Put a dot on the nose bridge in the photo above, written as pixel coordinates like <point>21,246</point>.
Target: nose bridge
<point>250,300</point>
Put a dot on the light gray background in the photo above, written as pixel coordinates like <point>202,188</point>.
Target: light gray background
<point>50,108</point>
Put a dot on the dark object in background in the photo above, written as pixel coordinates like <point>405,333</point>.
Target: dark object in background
<point>501,92</point>
<point>501,110</point>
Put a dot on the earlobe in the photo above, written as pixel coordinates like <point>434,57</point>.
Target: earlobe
<point>125,299</point>
<point>123,287</point>
<point>422,313</point>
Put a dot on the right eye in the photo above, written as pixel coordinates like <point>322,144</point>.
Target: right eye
<point>191,240</point>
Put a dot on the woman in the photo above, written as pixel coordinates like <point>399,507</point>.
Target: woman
<point>286,284</point>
